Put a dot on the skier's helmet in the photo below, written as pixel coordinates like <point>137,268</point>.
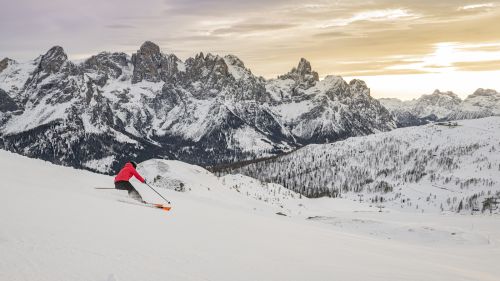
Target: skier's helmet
<point>133,164</point>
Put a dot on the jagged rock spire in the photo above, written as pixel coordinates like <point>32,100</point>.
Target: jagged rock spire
<point>151,65</point>
<point>4,63</point>
<point>302,74</point>
<point>53,60</point>
<point>147,63</point>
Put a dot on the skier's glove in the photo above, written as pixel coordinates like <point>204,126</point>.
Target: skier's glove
<point>145,181</point>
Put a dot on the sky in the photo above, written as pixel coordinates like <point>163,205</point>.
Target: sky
<point>400,48</point>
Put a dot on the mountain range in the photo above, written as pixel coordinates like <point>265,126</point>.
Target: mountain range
<point>443,106</point>
<point>206,110</point>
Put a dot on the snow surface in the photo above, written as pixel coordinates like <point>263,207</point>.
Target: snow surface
<point>251,140</point>
<point>237,71</point>
<point>293,110</point>
<point>13,78</point>
<point>56,226</point>
<point>280,89</point>
<point>181,66</point>
<point>37,116</point>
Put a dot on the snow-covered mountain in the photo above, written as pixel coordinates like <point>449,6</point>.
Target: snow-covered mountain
<point>436,167</point>
<point>482,103</point>
<point>205,110</point>
<point>443,106</point>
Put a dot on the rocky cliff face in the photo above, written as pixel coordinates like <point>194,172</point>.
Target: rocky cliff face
<point>205,110</point>
<point>7,104</point>
<point>4,63</point>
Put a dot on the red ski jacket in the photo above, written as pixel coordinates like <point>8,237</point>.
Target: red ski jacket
<point>127,172</point>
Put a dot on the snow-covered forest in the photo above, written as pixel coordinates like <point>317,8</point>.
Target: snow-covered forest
<point>451,166</point>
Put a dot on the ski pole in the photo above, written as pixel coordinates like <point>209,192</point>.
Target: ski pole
<point>157,192</point>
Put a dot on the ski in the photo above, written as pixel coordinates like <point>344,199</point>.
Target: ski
<point>150,205</point>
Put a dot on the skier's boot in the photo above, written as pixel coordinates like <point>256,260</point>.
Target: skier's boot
<point>136,196</point>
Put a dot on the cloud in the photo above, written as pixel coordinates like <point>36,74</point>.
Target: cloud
<point>377,72</point>
<point>476,6</point>
<point>119,26</point>
<point>251,27</point>
<point>478,65</point>
<point>221,7</point>
<point>372,16</point>
<point>388,36</point>
<point>334,34</point>
<point>364,68</point>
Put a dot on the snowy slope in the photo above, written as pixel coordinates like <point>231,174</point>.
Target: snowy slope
<point>437,167</point>
<point>197,181</point>
<point>13,74</point>
<point>56,226</point>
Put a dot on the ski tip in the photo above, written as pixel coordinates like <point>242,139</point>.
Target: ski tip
<point>163,207</point>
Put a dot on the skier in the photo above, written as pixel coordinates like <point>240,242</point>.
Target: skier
<point>123,177</point>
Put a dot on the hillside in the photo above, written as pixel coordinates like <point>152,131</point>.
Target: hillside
<point>436,167</point>
<point>56,226</point>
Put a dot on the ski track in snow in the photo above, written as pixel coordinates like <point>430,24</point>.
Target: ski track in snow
<point>56,226</point>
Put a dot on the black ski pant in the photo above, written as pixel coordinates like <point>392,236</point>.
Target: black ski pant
<point>132,192</point>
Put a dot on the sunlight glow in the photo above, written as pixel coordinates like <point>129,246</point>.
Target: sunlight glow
<point>446,54</point>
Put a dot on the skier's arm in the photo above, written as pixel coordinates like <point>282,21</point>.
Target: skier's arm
<point>137,176</point>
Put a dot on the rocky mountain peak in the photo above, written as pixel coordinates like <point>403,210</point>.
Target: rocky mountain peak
<point>482,103</point>
<point>211,56</point>
<point>211,71</point>
<point>202,59</point>
<point>450,94</point>
<point>106,65</point>
<point>302,74</point>
<point>234,60</point>
<point>199,56</point>
<point>148,63</point>
<point>5,63</point>
<point>304,67</point>
<point>437,98</point>
<point>149,48</point>
<point>484,92</point>
<point>207,66</point>
<point>359,87</point>
<point>53,60</point>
